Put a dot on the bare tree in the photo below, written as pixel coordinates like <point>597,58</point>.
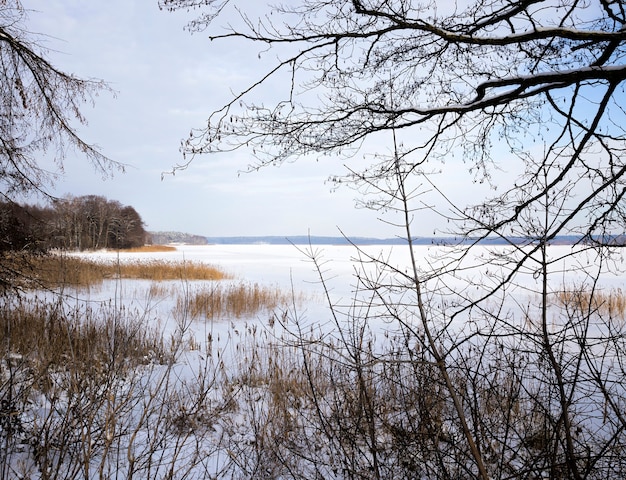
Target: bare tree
<point>484,80</point>
<point>93,222</point>
<point>524,362</point>
<point>39,108</point>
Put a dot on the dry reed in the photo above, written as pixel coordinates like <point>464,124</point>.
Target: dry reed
<point>167,270</point>
<point>51,336</point>
<point>55,270</point>
<point>151,249</point>
<point>612,303</point>
<point>236,300</point>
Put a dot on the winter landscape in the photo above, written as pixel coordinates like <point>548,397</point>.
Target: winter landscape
<point>298,386</point>
<point>468,322</point>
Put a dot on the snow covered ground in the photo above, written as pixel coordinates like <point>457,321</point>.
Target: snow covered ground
<point>290,268</point>
<point>232,384</point>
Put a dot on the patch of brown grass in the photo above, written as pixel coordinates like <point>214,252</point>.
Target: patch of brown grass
<point>612,302</point>
<point>150,249</point>
<point>51,337</point>
<point>233,300</point>
<point>168,270</point>
<point>55,270</point>
<point>47,271</point>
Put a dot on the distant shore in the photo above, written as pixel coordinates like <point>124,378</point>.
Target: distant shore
<point>327,240</point>
<point>165,238</point>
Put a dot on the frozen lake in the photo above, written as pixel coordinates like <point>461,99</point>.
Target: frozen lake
<point>281,263</point>
<point>289,268</point>
<point>230,376</point>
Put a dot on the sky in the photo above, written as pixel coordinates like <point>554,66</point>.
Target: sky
<point>167,81</point>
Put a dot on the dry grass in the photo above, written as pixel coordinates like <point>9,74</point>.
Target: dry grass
<point>54,270</point>
<point>52,338</point>
<point>161,290</point>
<point>163,270</point>
<point>213,300</point>
<point>232,300</point>
<point>611,303</point>
<point>151,249</point>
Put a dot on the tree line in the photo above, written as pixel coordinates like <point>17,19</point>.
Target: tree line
<point>71,223</point>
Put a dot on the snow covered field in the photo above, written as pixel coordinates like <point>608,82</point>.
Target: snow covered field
<point>290,269</point>
<point>234,400</point>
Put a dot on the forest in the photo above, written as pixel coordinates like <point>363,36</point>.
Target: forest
<point>87,222</point>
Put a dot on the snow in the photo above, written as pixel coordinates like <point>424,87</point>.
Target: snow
<point>219,358</point>
<point>290,268</point>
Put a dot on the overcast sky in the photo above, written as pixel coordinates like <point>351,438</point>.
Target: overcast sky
<point>168,81</point>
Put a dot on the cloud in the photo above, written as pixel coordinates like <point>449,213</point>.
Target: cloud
<point>168,82</point>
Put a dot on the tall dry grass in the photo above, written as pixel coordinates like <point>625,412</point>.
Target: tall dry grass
<point>213,300</point>
<point>238,300</point>
<point>159,270</point>
<point>56,270</point>
<point>611,303</point>
<point>53,334</point>
<point>151,249</point>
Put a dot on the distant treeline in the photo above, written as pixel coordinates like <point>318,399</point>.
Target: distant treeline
<point>72,223</point>
<point>164,238</point>
<point>320,240</point>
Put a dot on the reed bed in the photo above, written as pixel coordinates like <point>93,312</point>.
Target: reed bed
<point>213,299</point>
<point>51,335</point>
<point>151,249</point>
<point>159,270</point>
<point>611,303</point>
<point>56,270</point>
<point>232,300</point>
